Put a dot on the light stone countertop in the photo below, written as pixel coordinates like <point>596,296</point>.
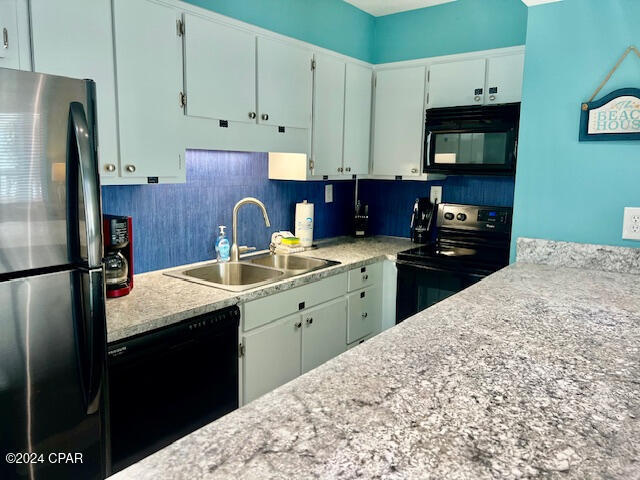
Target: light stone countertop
<point>534,372</point>
<point>158,300</point>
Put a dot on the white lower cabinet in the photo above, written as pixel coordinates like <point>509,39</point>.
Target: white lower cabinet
<point>272,356</point>
<point>290,333</point>
<point>324,330</point>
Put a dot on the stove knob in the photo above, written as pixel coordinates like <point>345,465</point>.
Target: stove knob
<point>448,216</point>
<point>462,217</point>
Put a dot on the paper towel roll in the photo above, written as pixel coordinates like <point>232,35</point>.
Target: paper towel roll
<point>304,223</point>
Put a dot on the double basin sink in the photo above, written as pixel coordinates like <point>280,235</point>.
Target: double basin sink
<point>251,272</point>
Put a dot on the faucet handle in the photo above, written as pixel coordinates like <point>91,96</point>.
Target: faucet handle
<point>245,249</point>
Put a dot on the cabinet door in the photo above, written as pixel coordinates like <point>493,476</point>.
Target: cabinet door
<point>284,84</point>
<point>357,119</point>
<point>457,83</point>
<point>84,51</point>
<point>272,356</point>
<point>220,70</point>
<point>9,38</point>
<point>399,121</point>
<point>324,333</point>
<point>149,81</point>
<point>364,313</point>
<point>504,79</point>
<point>328,115</point>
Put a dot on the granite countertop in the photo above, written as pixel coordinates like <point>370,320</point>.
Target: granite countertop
<point>533,372</point>
<point>158,300</point>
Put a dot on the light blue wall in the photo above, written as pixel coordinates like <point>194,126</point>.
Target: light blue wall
<point>456,27</point>
<point>331,24</point>
<point>567,190</point>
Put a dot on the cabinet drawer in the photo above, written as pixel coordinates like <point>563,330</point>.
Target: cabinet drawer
<point>364,312</point>
<point>264,310</point>
<point>358,342</point>
<point>365,276</point>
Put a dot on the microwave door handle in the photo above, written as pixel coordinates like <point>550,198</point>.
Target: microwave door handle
<point>81,141</point>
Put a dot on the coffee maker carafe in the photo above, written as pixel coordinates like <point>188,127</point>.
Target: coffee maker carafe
<point>423,220</point>
<point>118,260</point>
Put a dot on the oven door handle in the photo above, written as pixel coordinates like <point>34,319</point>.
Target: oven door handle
<point>429,268</point>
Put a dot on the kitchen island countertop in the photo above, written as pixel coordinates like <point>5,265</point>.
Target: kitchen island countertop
<point>158,300</point>
<point>533,372</point>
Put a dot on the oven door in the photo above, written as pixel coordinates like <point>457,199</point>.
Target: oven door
<point>472,140</point>
<point>421,286</point>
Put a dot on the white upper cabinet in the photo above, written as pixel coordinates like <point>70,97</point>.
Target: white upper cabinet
<point>457,83</point>
<point>84,51</point>
<point>220,70</point>
<point>504,79</point>
<point>357,119</point>
<point>328,115</point>
<point>149,81</point>
<point>284,84</point>
<point>399,121</point>
<point>14,34</point>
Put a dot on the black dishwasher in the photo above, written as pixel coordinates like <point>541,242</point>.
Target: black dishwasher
<point>169,382</point>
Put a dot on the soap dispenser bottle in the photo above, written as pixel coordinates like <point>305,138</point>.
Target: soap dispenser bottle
<point>222,246</point>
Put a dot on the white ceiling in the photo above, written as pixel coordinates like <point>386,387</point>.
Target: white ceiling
<point>378,8</point>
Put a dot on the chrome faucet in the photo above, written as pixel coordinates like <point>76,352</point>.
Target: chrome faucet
<point>235,250</point>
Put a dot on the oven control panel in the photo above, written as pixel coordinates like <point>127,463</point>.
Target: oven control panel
<point>475,217</point>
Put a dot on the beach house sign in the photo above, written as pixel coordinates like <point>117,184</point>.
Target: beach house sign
<point>615,116</point>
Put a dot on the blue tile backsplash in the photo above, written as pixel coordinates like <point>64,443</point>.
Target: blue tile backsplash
<point>391,202</point>
<point>177,224</point>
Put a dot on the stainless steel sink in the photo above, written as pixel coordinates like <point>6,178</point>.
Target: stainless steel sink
<point>250,273</point>
<point>291,263</point>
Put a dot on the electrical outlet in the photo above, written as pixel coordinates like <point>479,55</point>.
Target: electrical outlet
<point>631,225</point>
<point>328,193</point>
<point>436,194</point>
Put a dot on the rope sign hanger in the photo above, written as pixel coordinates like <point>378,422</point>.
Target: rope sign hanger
<point>633,49</point>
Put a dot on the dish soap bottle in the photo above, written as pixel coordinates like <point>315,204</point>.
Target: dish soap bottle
<point>222,246</point>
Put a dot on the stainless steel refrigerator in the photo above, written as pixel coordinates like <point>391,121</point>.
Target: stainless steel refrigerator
<point>52,312</point>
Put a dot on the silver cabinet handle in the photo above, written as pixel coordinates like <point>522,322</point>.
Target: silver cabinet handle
<point>365,277</point>
<point>131,168</point>
<point>265,116</point>
<point>309,320</point>
<point>340,169</point>
<point>348,169</point>
<point>298,324</point>
<point>110,167</point>
<point>478,98</point>
<point>365,314</point>
<point>252,115</point>
<point>414,170</point>
<point>492,97</point>
<point>5,38</point>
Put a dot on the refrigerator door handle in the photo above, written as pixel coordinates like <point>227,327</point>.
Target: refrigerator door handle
<point>91,336</point>
<point>82,140</point>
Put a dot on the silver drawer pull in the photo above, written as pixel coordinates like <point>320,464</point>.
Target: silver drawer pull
<point>131,168</point>
<point>5,38</point>
<point>110,167</point>
<point>309,321</point>
<point>298,324</point>
<point>365,277</point>
<point>365,314</point>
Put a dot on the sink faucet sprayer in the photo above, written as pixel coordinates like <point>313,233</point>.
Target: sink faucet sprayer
<point>235,250</point>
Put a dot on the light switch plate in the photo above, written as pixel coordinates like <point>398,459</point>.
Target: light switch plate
<point>328,193</point>
<point>436,194</point>
<point>631,225</point>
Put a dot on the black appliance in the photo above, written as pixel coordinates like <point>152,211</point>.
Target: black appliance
<point>361,220</point>
<point>478,140</point>
<point>471,243</point>
<point>423,220</point>
<point>52,311</point>
<point>167,383</point>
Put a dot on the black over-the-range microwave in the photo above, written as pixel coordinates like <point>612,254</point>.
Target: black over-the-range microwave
<point>480,140</point>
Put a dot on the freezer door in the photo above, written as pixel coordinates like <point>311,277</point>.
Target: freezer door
<point>52,361</point>
<point>49,187</point>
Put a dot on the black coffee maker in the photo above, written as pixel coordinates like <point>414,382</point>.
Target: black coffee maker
<point>423,220</point>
